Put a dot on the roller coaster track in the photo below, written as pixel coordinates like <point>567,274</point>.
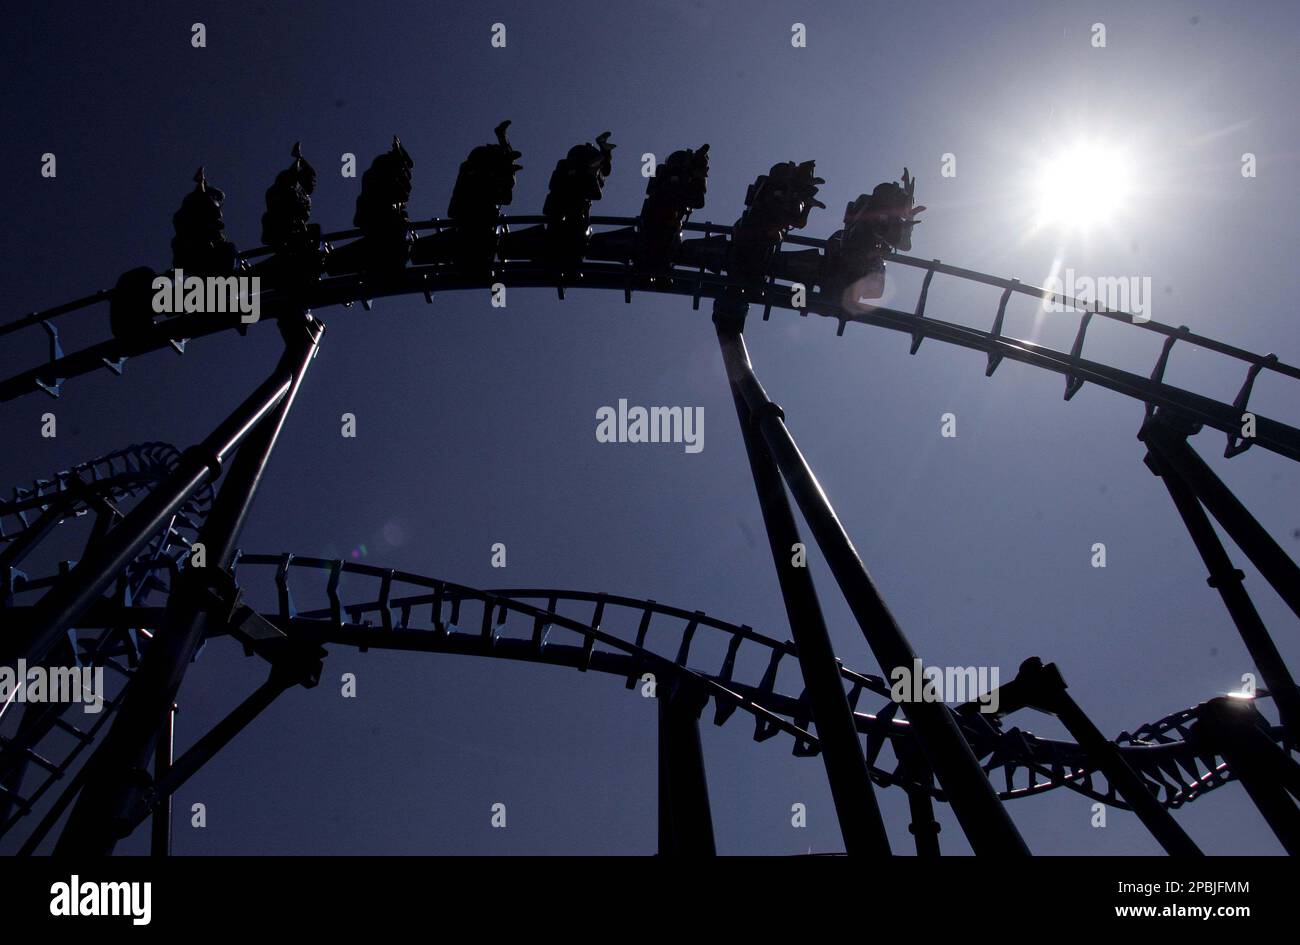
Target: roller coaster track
<point>616,638</point>
<point>102,484</point>
<point>1159,767</point>
<point>118,475</point>
<point>699,283</point>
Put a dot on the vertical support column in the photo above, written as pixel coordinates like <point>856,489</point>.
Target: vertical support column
<point>923,828</point>
<point>160,842</point>
<point>300,668</point>
<point>685,821</point>
<point>977,806</point>
<point>114,787</point>
<point>861,825</point>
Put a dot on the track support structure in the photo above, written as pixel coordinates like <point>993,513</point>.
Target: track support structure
<point>1166,436</point>
<point>977,806</point>
<point>1233,728</point>
<point>685,819</point>
<point>160,840</point>
<point>1042,687</point>
<point>1190,483</point>
<point>861,825</point>
<point>116,784</point>
<point>85,583</point>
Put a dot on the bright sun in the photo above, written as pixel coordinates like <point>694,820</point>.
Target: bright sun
<point>1083,186</point>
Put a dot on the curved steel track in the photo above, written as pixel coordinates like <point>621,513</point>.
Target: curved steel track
<point>616,638</point>
<point>629,637</point>
<point>698,283</point>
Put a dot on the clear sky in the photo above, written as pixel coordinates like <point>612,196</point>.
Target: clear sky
<point>476,424</point>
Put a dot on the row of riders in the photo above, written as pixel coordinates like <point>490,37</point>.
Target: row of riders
<point>476,240</point>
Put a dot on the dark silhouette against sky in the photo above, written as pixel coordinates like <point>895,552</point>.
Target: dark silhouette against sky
<point>476,425</point>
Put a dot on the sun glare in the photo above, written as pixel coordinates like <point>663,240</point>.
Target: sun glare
<point>1083,186</point>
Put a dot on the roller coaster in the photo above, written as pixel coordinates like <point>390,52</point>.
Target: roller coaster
<point>161,572</point>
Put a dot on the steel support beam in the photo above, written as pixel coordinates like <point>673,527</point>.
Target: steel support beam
<point>224,732</point>
<point>160,841</point>
<point>1166,437</point>
<point>206,748</point>
<point>1044,688</point>
<point>116,780</point>
<point>1154,816</point>
<point>923,828</point>
<point>977,806</point>
<point>1229,582</point>
<point>60,507</point>
<point>82,586</point>
<point>861,824</point>
<point>52,815</point>
<point>35,722</point>
<point>1232,728</point>
<point>685,821</point>
<point>185,767</point>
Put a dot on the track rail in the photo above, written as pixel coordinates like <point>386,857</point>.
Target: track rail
<point>698,283</point>
<point>116,645</point>
<point>629,637</point>
<point>118,475</point>
<point>740,669</point>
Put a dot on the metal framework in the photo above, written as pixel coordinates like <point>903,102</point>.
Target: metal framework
<point>100,610</point>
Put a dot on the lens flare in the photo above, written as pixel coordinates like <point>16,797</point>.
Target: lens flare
<point>1084,185</point>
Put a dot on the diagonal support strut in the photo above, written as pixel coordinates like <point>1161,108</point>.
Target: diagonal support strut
<point>861,824</point>
<point>977,806</point>
<point>114,785</point>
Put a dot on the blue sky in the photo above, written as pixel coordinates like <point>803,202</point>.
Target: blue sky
<point>476,425</point>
